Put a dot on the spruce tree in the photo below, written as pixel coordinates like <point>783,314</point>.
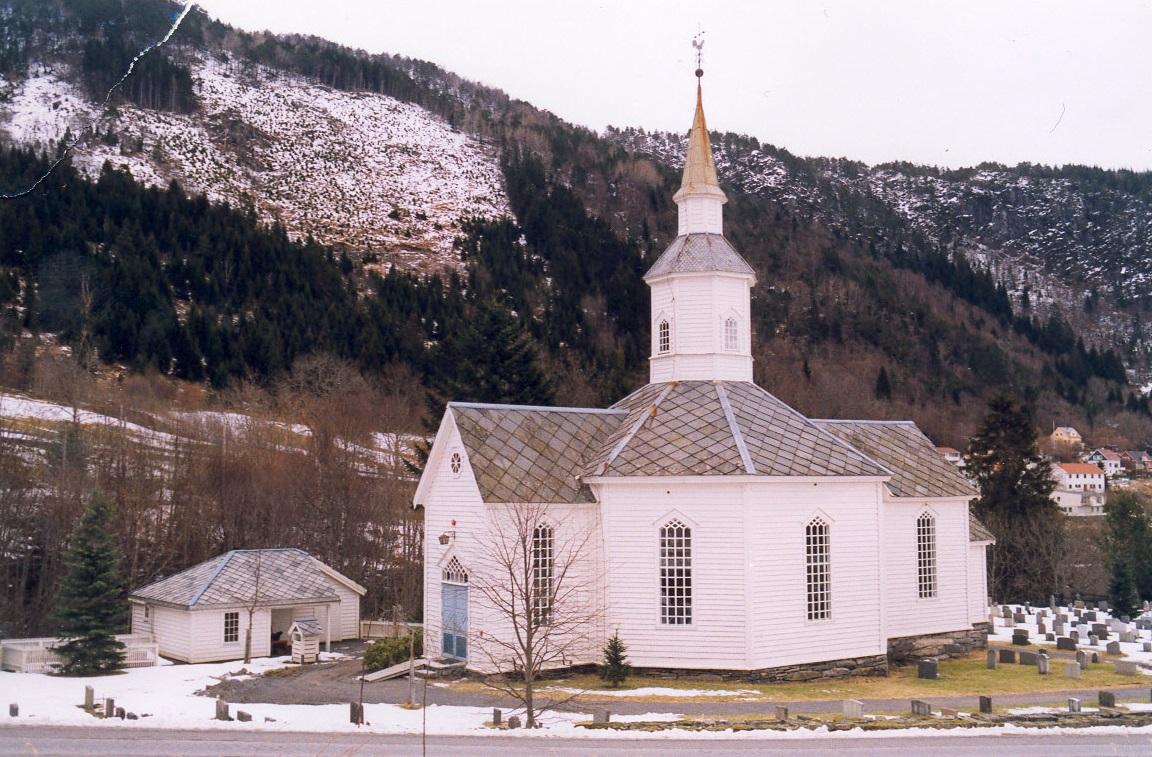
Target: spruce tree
<point>883,385</point>
<point>615,668</point>
<point>1128,546</point>
<point>91,606</point>
<point>1015,503</point>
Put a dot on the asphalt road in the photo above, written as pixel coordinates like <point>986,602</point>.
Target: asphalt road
<point>47,741</point>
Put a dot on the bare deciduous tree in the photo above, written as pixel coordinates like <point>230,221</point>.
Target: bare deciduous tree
<point>535,574</point>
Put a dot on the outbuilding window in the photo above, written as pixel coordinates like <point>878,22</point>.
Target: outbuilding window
<point>543,557</point>
<point>231,627</point>
<point>926,555</point>
<point>663,337</point>
<point>675,574</point>
<point>818,556</point>
<point>731,334</point>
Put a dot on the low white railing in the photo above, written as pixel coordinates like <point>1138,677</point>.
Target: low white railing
<point>39,655</point>
<point>383,629</point>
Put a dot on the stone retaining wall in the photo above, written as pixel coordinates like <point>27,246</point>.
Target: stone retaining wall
<point>876,665</point>
<point>960,643</point>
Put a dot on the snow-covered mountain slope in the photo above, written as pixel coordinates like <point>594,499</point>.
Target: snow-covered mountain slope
<point>363,172</point>
<point>1057,234</point>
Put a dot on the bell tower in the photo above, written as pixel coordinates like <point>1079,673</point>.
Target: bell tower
<point>701,287</point>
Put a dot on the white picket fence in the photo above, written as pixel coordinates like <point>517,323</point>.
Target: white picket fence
<point>38,655</point>
<point>382,629</point>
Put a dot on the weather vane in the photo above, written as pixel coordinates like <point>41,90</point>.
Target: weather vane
<point>698,43</point>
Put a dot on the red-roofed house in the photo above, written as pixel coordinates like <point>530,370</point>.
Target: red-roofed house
<point>1107,460</point>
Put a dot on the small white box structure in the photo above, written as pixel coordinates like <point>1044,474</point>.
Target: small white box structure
<point>305,636</point>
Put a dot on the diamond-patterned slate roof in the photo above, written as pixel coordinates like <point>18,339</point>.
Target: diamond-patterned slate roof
<point>918,470</point>
<point>709,428</point>
<point>286,576</point>
<point>977,531</point>
<point>695,253</point>
<point>532,454</point>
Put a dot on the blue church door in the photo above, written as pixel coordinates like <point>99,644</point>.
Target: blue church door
<point>454,620</point>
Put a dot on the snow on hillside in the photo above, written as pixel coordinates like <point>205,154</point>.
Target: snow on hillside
<point>360,171</point>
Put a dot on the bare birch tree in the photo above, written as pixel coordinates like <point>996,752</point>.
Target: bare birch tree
<point>251,608</point>
<point>536,575</point>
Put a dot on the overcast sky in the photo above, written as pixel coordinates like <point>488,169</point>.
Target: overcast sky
<point>950,84</point>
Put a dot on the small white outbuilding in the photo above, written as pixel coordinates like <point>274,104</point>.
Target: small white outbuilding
<point>202,614</point>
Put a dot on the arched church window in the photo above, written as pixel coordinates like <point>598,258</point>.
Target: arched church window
<point>818,556</point>
<point>454,572</point>
<point>926,555</point>
<point>675,574</point>
<point>543,567</point>
<point>731,334</point>
<point>664,337</point>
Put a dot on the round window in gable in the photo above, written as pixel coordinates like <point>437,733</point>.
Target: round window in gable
<point>455,463</point>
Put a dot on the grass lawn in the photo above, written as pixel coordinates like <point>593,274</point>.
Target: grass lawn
<point>965,677</point>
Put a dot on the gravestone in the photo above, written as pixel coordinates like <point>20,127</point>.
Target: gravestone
<point>928,668</point>
<point>120,713</point>
<point>1049,637</point>
<point>1117,625</point>
<point>1128,637</point>
<point>14,710</point>
<point>1100,629</point>
<point>953,649</point>
<point>598,716</point>
<point>497,716</point>
<point>355,713</point>
<point>1020,637</point>
<point>1106,699</point>
<point>109,708</point>
<point>1028,658</point>
<point>1020,618</point>
<point>1005,611</point>
<point>1058,628</point>
<point>781,712</point>
<point>1074,636</point>
<point>1082,659</point>
<point>1073,704</point>
<point>1009,623</point>
<point>1147,646</point>
<point>89,698</point>
<point>1095,658</point>
<point>948,712</point>
<point>921,708</point>
<point>1071,670</point>
<point>1078,604</point>
<point>514,722</point>
<point>1113,647</point>
<point>1127,667</point>
<point>244,717</point>
<point>133,716</point>
<point>222,710</point>
<point>1041,628</point>
<point>1088,616</point>
<point>1007,655</point>
<point>853,708</point>
<point>1093,640</point>
<point>986,705</point>
<point>1042,663</point>
<point>991,659</point>
<point>1040,614</point>
<point>1065,644</point>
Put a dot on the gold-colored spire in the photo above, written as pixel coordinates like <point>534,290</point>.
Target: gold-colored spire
<point>699,168</point>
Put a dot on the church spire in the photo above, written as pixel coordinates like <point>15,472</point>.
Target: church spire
<point>699,200</point>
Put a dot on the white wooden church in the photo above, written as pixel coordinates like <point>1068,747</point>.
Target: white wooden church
<point>728,532</point>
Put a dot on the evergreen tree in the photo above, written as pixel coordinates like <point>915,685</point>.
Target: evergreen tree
<point>1015,502</point>
<point>883,385</point>
<point>91,606</point>
<point>1128,546</point>
<point>615,668</point>
<point>1122,592</point>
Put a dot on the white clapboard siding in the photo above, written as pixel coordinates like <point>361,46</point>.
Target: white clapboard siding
<point>908,614</point>
<point>977,584</point>
<point>346,615</point>
<point>141,623</point>
<point>697,306</point>
<point>207,634</point>
<point>779,631</point>
<point>172,629</point>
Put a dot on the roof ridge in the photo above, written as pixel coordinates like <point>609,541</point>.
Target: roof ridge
<point>207,583</point>
<point>734,427</point>
<point>873,421</point>
<point>546,408</point>
<point>636,426</point>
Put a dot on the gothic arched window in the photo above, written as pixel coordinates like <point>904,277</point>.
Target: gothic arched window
<point>543,565</point>
<point>675,574</point>
<point>818,556</point>
<point>926,555</point>
<point>731,334</point>
<point>454,572</point>
<point>663,336</point>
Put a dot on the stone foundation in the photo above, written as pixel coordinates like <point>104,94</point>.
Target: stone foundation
<point>960,643</point>
<point>876,665</point>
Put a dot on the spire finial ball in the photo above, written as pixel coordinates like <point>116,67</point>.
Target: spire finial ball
<point>699,73</point>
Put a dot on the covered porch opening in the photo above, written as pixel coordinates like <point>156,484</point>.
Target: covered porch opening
<point>282,619</point>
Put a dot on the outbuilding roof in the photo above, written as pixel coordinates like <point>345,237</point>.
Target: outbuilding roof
<point>698,253</point>
<point>918,469</point>
<point>237,578</point>
<point>977,531</point>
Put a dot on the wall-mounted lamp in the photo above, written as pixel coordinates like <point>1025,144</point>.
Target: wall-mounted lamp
<point>447,537</point>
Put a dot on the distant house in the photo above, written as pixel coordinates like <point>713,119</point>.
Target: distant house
<point>1067,437</point>
<point>1078,477</point>
<point>952,455</point>
<point>1107,460</point>
<point>1078,504</point>
<point>1136,460</point>
<point>201,614</point>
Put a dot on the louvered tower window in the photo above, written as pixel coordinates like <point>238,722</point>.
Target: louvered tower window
<point>731,335</point>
